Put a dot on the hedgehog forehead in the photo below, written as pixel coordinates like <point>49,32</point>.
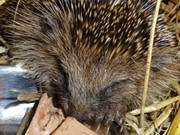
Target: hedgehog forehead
<point>93,74</point>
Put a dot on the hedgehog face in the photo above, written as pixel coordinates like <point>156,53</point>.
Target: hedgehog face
<point>94,94</point>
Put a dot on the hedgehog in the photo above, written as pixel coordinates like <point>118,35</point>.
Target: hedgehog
<point>90,55</point>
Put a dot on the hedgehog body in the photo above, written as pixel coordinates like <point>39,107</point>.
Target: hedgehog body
<point>91,55</point>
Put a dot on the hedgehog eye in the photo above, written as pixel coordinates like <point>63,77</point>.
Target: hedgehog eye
<point>109,88</point>
<point>114,87</point>
<point>107,91</point>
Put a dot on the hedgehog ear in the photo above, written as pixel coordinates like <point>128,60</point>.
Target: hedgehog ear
<point>46,25</point>
<point>47,20</point>
<point>53,17</point>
